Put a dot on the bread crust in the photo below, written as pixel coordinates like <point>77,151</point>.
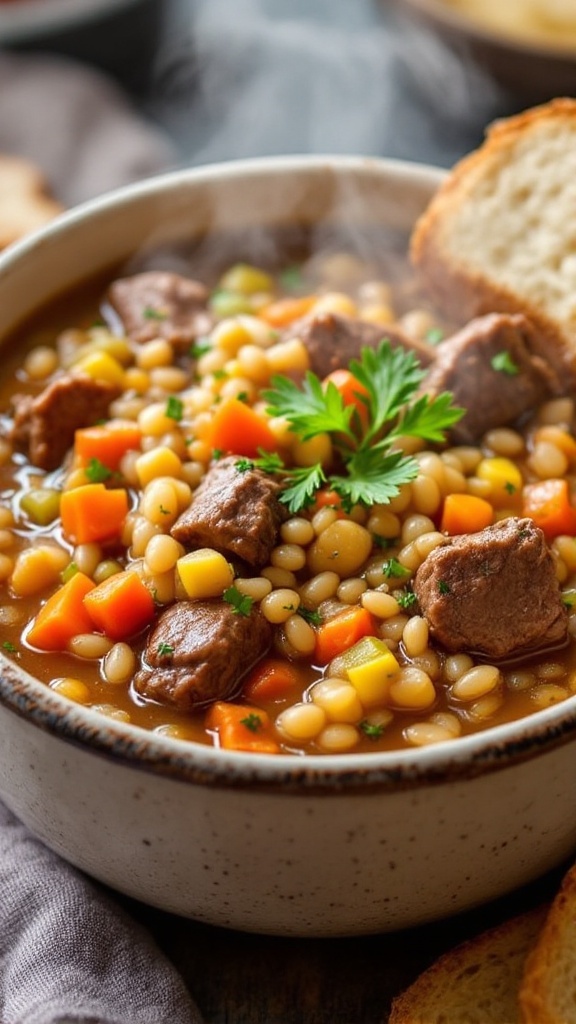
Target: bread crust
<point>546,993</point>
<point>25,199</point>
<point>475,983</point>
<point>458,287</point>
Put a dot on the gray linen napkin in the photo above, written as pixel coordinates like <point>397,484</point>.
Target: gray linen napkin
<point>69,952</point>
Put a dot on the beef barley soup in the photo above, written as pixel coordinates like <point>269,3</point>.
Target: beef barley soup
<point>288,510</point>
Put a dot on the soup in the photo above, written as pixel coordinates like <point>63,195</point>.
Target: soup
<point>273,509</point>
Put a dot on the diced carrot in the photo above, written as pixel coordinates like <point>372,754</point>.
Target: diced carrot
<point>107,443</point>
<point>465,513</point>
<point>282,312</point>
<point>339,633</point>
<point>237,428</point>
<point>271,679</point>
<point>93,513</point>
<point>241,727</point>
<point>351,390</point>
<point>120,606</point>
<point>547,503</point>
<point>62,616</point>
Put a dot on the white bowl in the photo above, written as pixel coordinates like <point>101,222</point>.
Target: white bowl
<point>315,845</point>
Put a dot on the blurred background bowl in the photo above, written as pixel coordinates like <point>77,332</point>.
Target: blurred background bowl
<point>530,67</point>
<point>117,36</point>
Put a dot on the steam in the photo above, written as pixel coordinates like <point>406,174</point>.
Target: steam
<point>269,77</point>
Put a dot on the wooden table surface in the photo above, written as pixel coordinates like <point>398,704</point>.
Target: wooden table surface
<point>238,978</point>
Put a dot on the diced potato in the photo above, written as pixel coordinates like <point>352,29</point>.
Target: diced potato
<point>504,478</point>
<point>158,462</point>
<point>204,573</point>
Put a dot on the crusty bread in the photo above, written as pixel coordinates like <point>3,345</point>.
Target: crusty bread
<point>25,202</point>
<point>500,233</point>
<point>475,983</point>
<point>548,989</point>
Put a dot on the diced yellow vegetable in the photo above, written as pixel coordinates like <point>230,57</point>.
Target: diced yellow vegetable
<point>505,480</point>
<point>38,567</point>
<point>371,667</point>
<point>101,366</point>
<point>246,279</point>
<point>204,573</point>
<point>159,461</point>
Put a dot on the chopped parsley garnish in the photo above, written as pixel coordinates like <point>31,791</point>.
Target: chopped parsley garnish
<point>309,615</point>
<point>443,587</point>
<point>253,722</point>
<point>406,599</point>
<point>164,649</point>
<point>151,313</point>
<point>243,465</point>
<point>199,348</point>
<point>503,362</point>
<point>392,568</point>
<point>291,278</point>
<point>240,603</point>
<point>9,647</point>
<point>373,730</point>
<point>509,487</point>
<point>373,471</point>
<point>174,408</point>
<point>435,335</point>
<point>97,472</point>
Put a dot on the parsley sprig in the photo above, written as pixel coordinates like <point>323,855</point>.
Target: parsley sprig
<point>373,470</point>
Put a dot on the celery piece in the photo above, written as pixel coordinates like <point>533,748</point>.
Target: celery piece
<point>41,505</point>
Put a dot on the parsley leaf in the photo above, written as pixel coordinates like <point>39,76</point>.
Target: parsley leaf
<point>253,722</point>
<point>370,471</point>
<point>503,362</point>
<point>394,569</point>
<point>310,615</point>
<point>241,604</point>
<point>164,649</point>
<point>174,408</point>
<point>97,472</point>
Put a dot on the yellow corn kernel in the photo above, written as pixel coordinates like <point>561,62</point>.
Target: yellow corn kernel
<point>101,366</point>
<point>230,335</point>
<point>204,573</point>
<point>246,279</point>
<point>157,462</point>
<point>371,668</point>
<point>505,480</point>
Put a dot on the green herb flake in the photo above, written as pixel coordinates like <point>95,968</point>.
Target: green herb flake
<point>174,408</point>
<point>243,465</point>
<point>151,313</point>
<point>503,362</point>
<point>70,571</point>
<point>97,472</point>
<point>443,587</point>
<point>392,568</point>
<point>199,348</point>
<point>311,616</point>
<point>291,278</point>
<point>373,730</point>
<point>434,336</point>
<point>9,647</point>
<point>253,722</point>
<point>240,603</point>
<point>406,599</point>
<point>510,488</point>
<point>164,650</point>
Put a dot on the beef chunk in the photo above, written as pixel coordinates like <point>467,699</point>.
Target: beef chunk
<point>161,304</point>
<point>333,340</point>
<point>493,369</point>
<point>198,652</point>
<point>235,511</point>
<point>493,592</point>
<point>44,425</point>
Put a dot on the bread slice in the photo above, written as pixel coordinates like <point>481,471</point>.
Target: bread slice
<point>25,199</point>
<point>475,983</point>
<point>548,989</point>
<point>500,233</point>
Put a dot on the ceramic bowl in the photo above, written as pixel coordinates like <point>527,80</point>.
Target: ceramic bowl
<point>530,70</point>
<point>311,846</point>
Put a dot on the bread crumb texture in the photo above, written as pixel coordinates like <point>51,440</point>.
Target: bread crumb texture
<point>25,199</point>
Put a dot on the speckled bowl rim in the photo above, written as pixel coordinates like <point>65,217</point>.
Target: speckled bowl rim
<point>126,744</point>
<point>469,29</point>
